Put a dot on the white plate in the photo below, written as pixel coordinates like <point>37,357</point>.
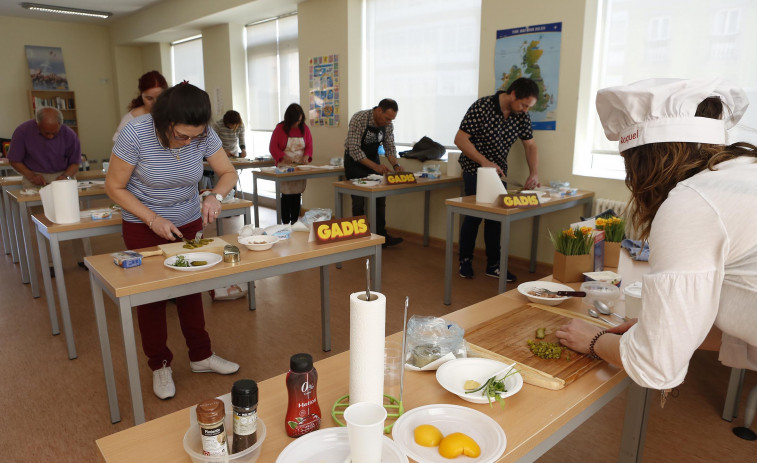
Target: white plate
<point>364,182</point>
<point>211,259</point>
<point>453,375</point>
<point>524,289</point>
<point>487,433</point>
<point>331,445</point>
<point>29,191</point>
<point>258,242</point>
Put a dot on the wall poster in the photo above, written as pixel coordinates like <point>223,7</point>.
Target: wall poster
<point>532,52</point>
<point>324,91</point>
<point>46,68</point>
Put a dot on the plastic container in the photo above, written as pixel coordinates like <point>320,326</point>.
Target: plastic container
<point>303,412</point>
<point>633,299</point>
<point>193,443</point>
<point>605,276</point>
<point>598,291</point>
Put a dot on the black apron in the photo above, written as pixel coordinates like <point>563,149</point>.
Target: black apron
<point>369,143</point>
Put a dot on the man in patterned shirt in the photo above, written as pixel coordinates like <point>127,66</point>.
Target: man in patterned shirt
<point>486,134</point>
<point>371,133</point>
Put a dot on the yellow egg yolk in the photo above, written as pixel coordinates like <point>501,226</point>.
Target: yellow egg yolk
<point>427,435</point>
<point>457,444</point>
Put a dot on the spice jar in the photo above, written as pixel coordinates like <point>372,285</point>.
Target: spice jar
<point>244,401</point>
<point>210,416</point>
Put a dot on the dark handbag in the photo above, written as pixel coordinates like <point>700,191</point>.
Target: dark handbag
<point>425,150</point>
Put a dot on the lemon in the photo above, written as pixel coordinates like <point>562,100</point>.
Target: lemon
<point>457,444</point>
<point>427,435</point>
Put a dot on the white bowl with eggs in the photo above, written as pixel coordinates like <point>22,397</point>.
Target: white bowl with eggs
<point>528,288</point>
<point>258,242</point>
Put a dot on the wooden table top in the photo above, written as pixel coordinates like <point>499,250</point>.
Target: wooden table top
<point>469,202</point>
<point>153,275</point>
<point>81,175</point>
<point>299,170</point>
<point>347,184</point>
<point>528,418</point>
<point>247,163</point>
<point>95,190</point>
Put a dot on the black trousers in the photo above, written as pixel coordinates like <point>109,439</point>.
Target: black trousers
<point>358,208</point>
<point>290,208</point>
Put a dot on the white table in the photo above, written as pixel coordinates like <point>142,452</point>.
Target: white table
<point>87,228</point>
<point>467,205</point>
<point>301,173</point>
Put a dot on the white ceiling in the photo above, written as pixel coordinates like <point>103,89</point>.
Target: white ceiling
<point>119,8</point>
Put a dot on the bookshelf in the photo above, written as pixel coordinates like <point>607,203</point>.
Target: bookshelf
<point>64,100</point>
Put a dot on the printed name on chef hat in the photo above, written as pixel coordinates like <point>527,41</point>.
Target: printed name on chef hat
<point>662,110</point>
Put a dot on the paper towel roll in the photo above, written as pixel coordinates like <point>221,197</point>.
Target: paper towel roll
<point>453,166</point>
<point>60,201</point>
<point>488,185</point>
<point>367,332</point>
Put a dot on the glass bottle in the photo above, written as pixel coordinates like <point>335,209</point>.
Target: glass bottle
<point>244,402</point>
<point>210,416</point>
<point>303,412</point>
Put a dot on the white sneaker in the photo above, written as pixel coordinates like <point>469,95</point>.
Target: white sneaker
<point>214,364</point>
<point>162,382</point>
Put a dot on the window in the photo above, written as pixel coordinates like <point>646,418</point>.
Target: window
<point>642,39</point>
<point>428,63</point>
<point>186,60</point>
<point>273,83</point>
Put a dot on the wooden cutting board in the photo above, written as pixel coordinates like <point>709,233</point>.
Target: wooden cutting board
<point>172,249</point>
<point>505,339</point>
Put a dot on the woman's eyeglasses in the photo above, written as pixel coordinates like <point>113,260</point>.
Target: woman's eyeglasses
<point>182,137</point>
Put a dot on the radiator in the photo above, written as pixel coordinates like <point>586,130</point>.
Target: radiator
<point>620,208</point>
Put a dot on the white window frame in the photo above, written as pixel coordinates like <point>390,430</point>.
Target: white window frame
<point>173,60</point>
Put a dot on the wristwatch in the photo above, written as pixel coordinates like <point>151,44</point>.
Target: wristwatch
<point>218,196</point>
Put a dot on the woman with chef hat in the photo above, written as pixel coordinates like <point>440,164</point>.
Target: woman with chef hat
<point>693,198</point>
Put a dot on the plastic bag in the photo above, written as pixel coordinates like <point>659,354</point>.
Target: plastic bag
<point>228,293</point>
<point>316,215</point>
<point>431,338</point>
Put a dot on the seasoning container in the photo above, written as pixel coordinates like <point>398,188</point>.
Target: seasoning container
<point>303,412</point>
<point>210,417</point>
<point>231,254</point>
<point>244,401</point>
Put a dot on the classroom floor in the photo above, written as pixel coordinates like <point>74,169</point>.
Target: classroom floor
<point>54,409</point>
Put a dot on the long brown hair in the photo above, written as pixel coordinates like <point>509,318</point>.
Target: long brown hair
<point>148,80</point>
<point>653,170</point>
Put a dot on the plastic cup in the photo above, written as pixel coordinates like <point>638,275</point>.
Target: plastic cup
<point>106,164</point>
<point>365,428</point>
<point>392,367</point>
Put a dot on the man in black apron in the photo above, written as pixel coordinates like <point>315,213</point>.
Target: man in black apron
<point>370,134</point>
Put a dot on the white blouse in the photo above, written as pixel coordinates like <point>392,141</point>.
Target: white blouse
<point>703,272</point>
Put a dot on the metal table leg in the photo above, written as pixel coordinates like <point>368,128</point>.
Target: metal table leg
<point>60,283</point>
<point>426,201</point>
<point>255,198</point>
<point>638,400</point>
<point>47,282</point>
<point>278,201</point>
<point>107,359</point>
<point>17,210</point>
<point>448,257</point>
<point>325,310</point>
<point>504,243</point>
<point>534,242</point>
<point>132,366</point>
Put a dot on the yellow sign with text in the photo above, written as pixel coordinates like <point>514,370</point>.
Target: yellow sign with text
<point>330,231</point>
<point>400,178</point>
<point>518,201</point>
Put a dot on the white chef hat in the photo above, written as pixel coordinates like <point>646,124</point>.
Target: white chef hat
<point>662,110</point>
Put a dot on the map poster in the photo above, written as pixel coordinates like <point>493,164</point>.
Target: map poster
<point>532,52</point>
<point>46,68</point>
<point>323,81</point>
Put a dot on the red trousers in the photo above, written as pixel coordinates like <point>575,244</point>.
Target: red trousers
<point>152,317</point>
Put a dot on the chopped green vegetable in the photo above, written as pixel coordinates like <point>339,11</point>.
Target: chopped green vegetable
<point>545,350</point>
<point>540,333</point>
<point>181,261</point>
<point>199,263</point>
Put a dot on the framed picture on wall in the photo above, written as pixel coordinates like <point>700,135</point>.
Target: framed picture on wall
<point>46,68</point>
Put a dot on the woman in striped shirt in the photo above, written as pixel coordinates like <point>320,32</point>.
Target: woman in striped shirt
<point>153,174</point>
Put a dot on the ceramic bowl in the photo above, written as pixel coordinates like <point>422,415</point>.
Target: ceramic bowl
<point>526,288</point>
<point>258,242</point>
<point>453,375</point>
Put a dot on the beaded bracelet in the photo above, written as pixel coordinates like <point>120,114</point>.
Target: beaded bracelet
<point>593,354</point>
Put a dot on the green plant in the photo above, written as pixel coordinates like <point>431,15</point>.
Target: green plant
<point>573,241</point>
<point>614,228</point>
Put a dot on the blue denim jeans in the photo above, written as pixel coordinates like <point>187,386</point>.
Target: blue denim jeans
<point>469,230</point>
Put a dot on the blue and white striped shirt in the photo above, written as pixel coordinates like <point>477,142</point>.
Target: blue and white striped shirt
<point>165,184</point>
